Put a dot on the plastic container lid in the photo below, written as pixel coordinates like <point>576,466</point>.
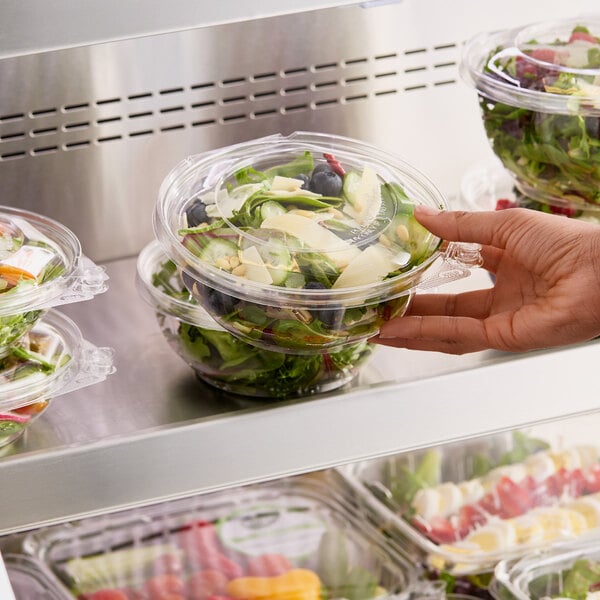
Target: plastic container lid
<point>291,534</point>
<point>41,264</point>
<point>31,580</point>
<point>51,360</point>
<point>567,571</point>
<point>241,221</point>
<point>551,67</point>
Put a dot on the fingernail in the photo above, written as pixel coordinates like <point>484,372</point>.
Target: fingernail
<point>429,211</point>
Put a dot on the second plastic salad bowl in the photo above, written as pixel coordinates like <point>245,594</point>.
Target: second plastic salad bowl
<point>299,244</point>
<point>539,95</point>
<point>226,362</point>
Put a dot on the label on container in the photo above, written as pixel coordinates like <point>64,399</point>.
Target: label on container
<point>290,529</point>
<point>30,259</point>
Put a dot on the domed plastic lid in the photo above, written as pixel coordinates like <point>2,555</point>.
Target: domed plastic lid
<point>282,219</point>
<point>52,359</point>
<point>41,264</point>
<point>549,67</point>
<point>159,282</point>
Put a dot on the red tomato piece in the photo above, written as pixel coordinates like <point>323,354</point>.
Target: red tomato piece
<point>514,499</point>
<point>544,55</point>
<point>592,480</point>
<point>203,584</point>
<point>490,503</point>
<point>503,203</point>
<point>165,587</point>
<point>437,529</point>
<point>469,517</point>
<point>581,35</point>
<point>556,483</point>
<point>268,565</point>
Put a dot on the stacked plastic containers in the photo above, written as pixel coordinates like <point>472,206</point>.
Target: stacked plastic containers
<point>288,540</point>
<point>280,257</point>
<point>539,88</point>
<point>464,508</point>
<point>42,352</point>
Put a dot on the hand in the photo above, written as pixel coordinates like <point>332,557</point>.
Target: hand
<point>546,293</point>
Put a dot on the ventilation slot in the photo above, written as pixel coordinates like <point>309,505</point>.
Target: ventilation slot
<point>13,117</point>
<point>72,107</point>
<point>107,101</point>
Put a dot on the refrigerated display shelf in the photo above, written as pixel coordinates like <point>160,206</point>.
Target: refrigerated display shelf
<point>153,432</point>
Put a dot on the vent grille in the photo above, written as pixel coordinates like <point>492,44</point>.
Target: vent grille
<point>229,101</point>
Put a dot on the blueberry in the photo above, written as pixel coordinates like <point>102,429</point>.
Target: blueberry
<point>326,182</point>
<point>196,213</point>
<point>331,318</point>
<point>305,179</point>
<point>214,301</point>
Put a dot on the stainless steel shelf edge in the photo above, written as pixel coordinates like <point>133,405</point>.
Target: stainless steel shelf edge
<point>266,443</point>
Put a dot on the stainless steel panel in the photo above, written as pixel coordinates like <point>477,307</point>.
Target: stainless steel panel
<point>87,134</point>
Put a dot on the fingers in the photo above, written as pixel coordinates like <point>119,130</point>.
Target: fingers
<point>486,227</point>
<point>473,304</point>
<point>452,335</point>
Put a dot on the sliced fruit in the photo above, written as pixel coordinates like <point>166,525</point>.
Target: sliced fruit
<point>370,266</point>
<point>315,236</point>
<point>364,196</point>
<point>288,184</point>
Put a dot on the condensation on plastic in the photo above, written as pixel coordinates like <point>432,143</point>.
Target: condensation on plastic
<point>88,364</point>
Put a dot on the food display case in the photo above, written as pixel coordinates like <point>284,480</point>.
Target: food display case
<point>92,122</point>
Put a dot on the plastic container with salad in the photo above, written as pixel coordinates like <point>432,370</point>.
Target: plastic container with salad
<point>32,580</point>
<point>50,360</point>
<point>466,507</point>
<point>303,243</point>
<point>226,362</point>
<point>41,266</point>
<point>289,539</point>
<point>539,95</point>
<point>570,572</point>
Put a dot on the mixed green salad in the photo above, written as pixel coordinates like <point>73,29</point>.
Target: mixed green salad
<point>27,259</point>
<point>223,360</point>
<point>308,224</point>
<point>581,581</point>
<point>552,154</point>
<point>36,356</point>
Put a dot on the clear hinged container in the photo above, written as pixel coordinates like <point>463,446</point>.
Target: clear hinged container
<point>32,580</point>
<point>223,360</point>
<point>288,539</point>
<point>50,360</point>
<point>41,266</point>
<point>572,572</point>
<point>539,95</point>
<point>303,243</point>
<point>464,507</point>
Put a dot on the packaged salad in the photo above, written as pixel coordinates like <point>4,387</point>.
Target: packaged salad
<point>41,266</point>
<point>32,580</point>
<point>539,95</point>
<point>303,243</point>
<point>284,540</point>
<point>223,360</point>
<point>48,361</point>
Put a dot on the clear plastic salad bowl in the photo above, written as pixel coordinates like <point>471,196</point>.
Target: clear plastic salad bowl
<point>41,266</point>
<point>223,360</point>
<point>50,360</point>
<point>539,94</point>
<point>304,243</point>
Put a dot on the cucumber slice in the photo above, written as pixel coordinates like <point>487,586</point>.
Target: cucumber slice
<point>351,186</point>
<point>218,248</point>
<point>271,209</point>
<point>277,259</point>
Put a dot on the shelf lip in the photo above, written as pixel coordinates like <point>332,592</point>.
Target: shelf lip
<point>65,24</point>
<point>43,488</point>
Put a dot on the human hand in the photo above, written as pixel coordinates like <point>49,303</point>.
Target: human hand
<point>546,291</point>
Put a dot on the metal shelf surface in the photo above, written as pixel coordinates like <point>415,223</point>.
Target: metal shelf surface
<point>152,431</point>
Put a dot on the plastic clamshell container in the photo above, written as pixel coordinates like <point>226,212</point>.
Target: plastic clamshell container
<point>41,266</point>
<point>489,186</point>
<point>303,270</point>
<point>561,573</point>
<point>287,539</point>
<point>539,95</point>
<point>223,360</point>
<point>466,506</point>
<point>51,360</point>
<point>32,580</point>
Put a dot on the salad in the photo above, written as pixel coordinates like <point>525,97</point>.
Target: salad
<point>539,94</point>
<point>36,357</point>
<point>223,360</point>
<point>288,545</point>
<point>297,248</point>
